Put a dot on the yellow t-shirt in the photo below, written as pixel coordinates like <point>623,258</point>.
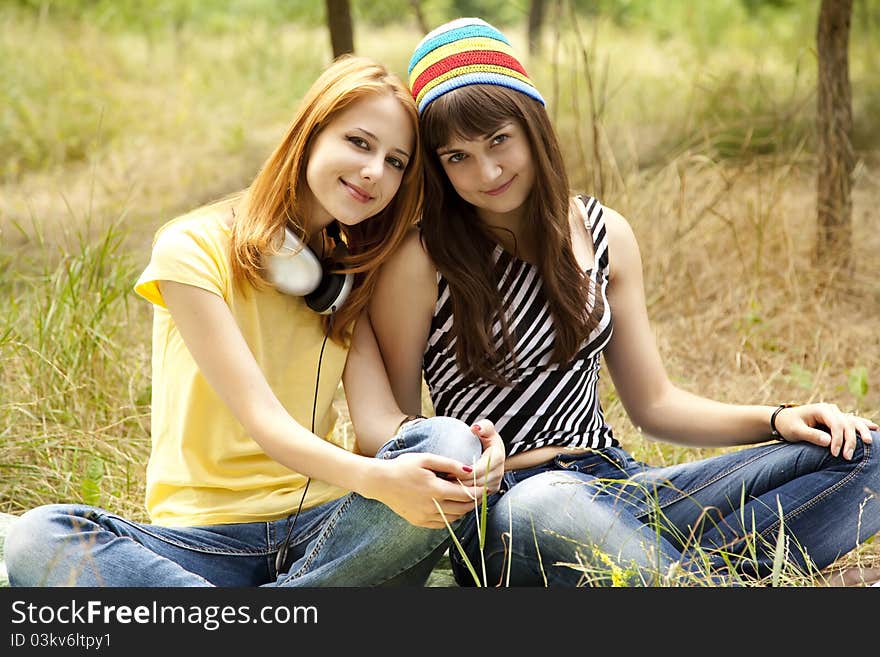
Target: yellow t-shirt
<point>204,469</point>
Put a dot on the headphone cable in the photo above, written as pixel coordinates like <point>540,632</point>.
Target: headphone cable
<point>282,549</point>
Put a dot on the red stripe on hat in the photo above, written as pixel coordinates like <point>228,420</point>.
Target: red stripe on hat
<point>468,58</point>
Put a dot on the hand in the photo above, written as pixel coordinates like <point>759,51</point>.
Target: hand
<point>801,423</point>
<point>489,469</point>
<point>410,486</point>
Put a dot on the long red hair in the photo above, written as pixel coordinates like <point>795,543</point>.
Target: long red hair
<point>273,199</point>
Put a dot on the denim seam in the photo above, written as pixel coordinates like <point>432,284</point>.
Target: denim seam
<point>185,546</point>
<point>686,493</point>
<point>326,529</point>
<point>774,527</point>
<point>270,535</point>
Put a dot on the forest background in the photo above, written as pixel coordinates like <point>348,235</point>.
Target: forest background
<point>696,120</point>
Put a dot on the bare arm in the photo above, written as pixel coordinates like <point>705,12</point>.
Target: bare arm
<point>664,411</point>
<point>401,311</point>
<point>374,412</point>
<point>407,484</point>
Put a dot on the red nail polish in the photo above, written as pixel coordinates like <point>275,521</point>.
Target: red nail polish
<point>467,468</point>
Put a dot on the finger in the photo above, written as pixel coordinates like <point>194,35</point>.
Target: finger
<point>864,429</point>
<point>485,431</point>
<point>483,474</point>
<point>490,461</point>
<point>484,426</point>
<point>443,465</point>
<point>835,427</point>
<point>491,484</point>
<point>457,491</point>
<point>454,510</point>
<point>849,438</point>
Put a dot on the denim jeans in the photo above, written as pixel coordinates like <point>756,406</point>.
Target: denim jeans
<point>352,541</point>
<point>565,522</point>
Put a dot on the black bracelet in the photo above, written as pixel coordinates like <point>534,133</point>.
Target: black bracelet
<point>773,430</point>
<point>408,419</point>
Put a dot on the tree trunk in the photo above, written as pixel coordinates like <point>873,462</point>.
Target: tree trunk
<point>834,123</point>
<point>339,22</point>
<point>420,16</point>
<point>536,22</point>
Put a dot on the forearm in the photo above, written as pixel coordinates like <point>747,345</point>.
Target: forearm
<point>374,429</point>
<point>374,412</point>
<point>681,417</point>
<point>296,448</point>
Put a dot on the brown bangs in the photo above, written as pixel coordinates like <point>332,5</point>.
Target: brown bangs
<point>467,113</point>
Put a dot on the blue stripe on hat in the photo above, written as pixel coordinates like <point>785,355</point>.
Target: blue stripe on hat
<point>480,78</point>
<point>465,31</point>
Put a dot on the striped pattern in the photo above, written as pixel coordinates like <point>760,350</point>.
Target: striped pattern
<point>547,404</point>
<point>462,52</point>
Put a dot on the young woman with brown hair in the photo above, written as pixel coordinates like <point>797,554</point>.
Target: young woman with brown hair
<point>505,301</point>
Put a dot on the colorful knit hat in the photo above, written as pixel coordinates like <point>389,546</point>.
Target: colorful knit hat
<point>462,52</point>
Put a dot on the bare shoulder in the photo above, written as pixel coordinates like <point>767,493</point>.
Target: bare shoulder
<point>411,259</point>
<point>622,245</point>
<point>409,272</point>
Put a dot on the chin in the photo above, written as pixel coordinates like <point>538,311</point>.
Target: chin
<point>353,221</point>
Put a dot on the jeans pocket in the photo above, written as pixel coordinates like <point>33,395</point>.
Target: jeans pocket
<point>384,451</point>
<point>577,462</point>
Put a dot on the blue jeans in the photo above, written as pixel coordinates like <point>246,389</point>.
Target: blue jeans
<point>352,541</point>
<point>565,522</point>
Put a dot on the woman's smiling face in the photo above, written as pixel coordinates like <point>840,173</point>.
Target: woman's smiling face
<point>356,163</point>
<point>494,172</point>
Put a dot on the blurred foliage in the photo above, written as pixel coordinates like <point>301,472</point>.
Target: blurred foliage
<point>165,14</point>
<point>740,73</point>
<point>708,18</point>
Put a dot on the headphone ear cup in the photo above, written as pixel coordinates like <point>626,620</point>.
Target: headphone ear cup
<point>334,288</point>
<point>296,270</point>
<point>330,293</point>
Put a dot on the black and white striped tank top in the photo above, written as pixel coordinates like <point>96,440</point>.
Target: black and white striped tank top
<point>547,404</point>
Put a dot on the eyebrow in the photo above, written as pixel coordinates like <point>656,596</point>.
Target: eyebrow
<point>375,138</point>
<point>445,150</point>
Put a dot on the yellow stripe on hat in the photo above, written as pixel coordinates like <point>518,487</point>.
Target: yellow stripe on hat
<point>456,48</point>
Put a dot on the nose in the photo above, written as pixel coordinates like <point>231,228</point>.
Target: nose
<point>489,169</point>
<point>372,168</point>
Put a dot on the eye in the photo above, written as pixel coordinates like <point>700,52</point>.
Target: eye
<point>360,142</point>
<point>397,163</point>
<point>499,139</point>
<point>455,158</point>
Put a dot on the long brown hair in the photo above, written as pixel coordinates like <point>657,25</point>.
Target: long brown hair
<point>273,199</point>
<point>460,246</point>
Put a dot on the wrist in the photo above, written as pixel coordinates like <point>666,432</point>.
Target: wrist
<point>774,431</point>
<point>368,478</point>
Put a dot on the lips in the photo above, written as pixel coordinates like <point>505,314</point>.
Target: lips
<point>503,188</point>
<point>356,192</point>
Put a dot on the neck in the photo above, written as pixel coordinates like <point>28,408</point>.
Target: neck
<point>315,219</point>
<point>508,230</point>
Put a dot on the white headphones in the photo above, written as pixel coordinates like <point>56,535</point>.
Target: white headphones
<point>296,270</point>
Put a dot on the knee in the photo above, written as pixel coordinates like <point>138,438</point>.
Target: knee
<point>26,543</point>
<point>445,436</point>
<point>546,506</point>
<point>543,493</point>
